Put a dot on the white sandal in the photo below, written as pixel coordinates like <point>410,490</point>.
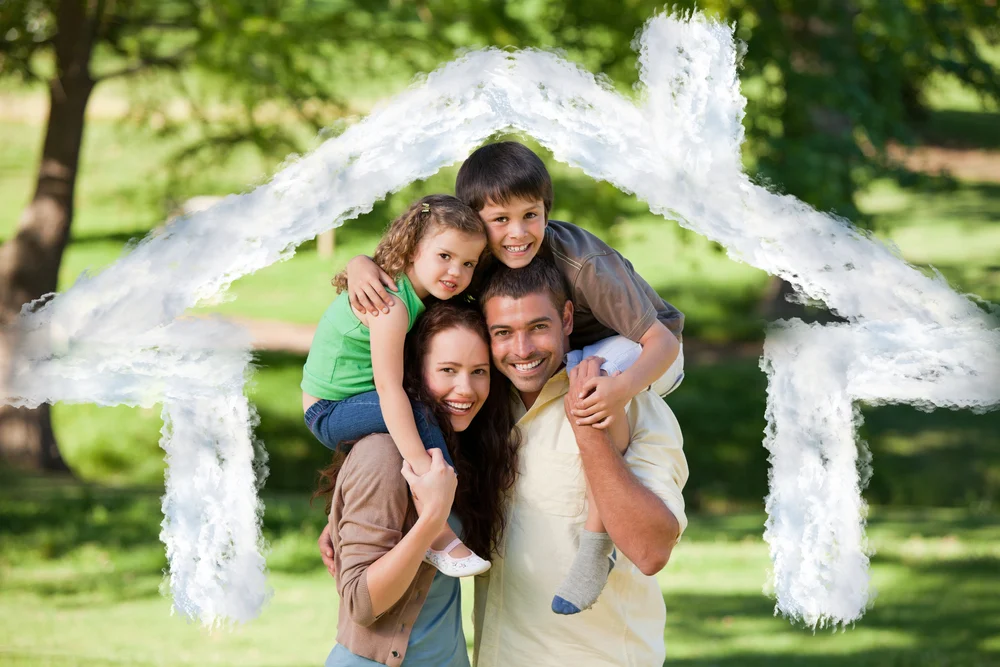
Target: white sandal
<point>456,567</point>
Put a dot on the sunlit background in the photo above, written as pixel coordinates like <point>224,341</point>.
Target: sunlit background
<point>884,112</point>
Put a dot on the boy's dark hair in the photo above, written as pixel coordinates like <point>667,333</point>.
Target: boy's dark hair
<point>539,277</point>
<point>500,172</point>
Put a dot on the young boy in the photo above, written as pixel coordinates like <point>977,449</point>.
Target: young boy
<point>617,315</point>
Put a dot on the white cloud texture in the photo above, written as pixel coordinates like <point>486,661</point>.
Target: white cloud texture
<point>120,337</point>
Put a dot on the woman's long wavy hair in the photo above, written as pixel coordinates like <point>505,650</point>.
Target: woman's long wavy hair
<point>395,251</point>
<point>485,454</point>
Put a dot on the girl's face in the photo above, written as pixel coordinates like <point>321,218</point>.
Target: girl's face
<point>444,261</point>
<point>457,373</point>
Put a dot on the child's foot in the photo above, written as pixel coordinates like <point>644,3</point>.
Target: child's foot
<point>446,542</point>
<point>588,574</point>
<point>450,562</point>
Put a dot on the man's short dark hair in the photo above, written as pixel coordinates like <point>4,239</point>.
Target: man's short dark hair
<point>541,276</point>
<point>500,172</point>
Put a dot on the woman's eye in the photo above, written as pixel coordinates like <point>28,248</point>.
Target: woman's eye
<point>445,256</point>
<point>470,265</point>
<point>502,219</point>
<point>480,371</point>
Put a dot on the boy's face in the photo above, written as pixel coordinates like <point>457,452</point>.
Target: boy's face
<point>515,230</point>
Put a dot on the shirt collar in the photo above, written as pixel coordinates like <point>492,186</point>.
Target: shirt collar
<point>554,389</point>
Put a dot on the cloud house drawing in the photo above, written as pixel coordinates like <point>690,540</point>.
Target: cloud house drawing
<point>121,336</point>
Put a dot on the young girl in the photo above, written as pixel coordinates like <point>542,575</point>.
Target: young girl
<point>352,383</point>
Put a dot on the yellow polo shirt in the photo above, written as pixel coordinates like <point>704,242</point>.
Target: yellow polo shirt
<point>514,622</point>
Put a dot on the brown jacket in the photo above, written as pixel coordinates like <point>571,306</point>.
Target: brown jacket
<point>608,295</point>
<point>371,512</point>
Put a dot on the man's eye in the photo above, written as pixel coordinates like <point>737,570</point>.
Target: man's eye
<point>531,215</point>
<point>497,334</point>
<point>539,327</point>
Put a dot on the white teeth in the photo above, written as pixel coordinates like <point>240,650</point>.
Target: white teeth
<point>518,248</point>
<point>458,406</point>
<point>524,368</point>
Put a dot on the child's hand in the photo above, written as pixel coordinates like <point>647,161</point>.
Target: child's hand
<point>599,397</point>
<point>366,284</point>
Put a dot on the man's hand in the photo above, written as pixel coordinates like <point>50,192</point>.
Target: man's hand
<point>596,397</point>
<point>366,286</point>
<point>325,543</point>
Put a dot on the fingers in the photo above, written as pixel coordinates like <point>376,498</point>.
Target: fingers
<point>588,368</point>
<point>592,419</point>
<point>386,280</point>
<point>605,423</point>
<point>325,543</point>
<point>356,304</point>
<point>408,474</point>
<point>378,298</point>
<point>326,551</point>
<point>437,460</point>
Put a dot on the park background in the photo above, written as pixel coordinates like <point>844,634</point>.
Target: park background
<point>884,112</point>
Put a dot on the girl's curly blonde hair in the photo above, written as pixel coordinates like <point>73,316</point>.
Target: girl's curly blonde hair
<point>395,251</point>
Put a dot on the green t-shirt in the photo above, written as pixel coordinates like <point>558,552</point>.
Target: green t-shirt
<point>339,364</point>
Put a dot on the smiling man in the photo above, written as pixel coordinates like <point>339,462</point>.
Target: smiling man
<point>639,496</point>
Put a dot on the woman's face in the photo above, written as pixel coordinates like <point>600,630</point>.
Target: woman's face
<point>457,373</point>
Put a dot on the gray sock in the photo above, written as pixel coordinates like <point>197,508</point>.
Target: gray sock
<point>587,575</point>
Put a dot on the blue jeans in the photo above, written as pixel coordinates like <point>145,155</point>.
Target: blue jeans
<point>352,418</point>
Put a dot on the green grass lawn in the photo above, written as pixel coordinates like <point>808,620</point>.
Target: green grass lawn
<point>80,569</point>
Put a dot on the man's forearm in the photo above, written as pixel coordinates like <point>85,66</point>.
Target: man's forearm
<point>637,520</point>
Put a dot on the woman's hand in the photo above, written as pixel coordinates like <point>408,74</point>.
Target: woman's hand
<point>366,284</point>
<point>325,543</point>
<point>433,492</point>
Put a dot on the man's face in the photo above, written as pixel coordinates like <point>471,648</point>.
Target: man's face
<point>515,230</point>
<point>528,339</point>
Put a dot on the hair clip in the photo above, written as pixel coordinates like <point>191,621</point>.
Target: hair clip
<point>426,208</point>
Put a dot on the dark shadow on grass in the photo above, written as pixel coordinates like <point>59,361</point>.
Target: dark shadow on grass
<point>941,458</point>
<point>961,129</point>
<point>943,623</point>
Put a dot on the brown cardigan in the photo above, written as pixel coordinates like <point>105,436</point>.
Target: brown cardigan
<point>371,512</point>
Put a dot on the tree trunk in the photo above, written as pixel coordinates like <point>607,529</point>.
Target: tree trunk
<point>29,262</point>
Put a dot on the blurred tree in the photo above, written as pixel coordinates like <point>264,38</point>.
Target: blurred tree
<point>269,60</point>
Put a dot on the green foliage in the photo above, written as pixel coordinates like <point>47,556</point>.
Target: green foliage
<point>830,84</point>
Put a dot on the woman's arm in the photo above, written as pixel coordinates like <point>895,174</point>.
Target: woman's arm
<point>388,333</point>
<point>390,575</point>
<point>377,561</point>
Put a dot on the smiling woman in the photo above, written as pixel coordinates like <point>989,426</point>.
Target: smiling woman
<point>392,604</point>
